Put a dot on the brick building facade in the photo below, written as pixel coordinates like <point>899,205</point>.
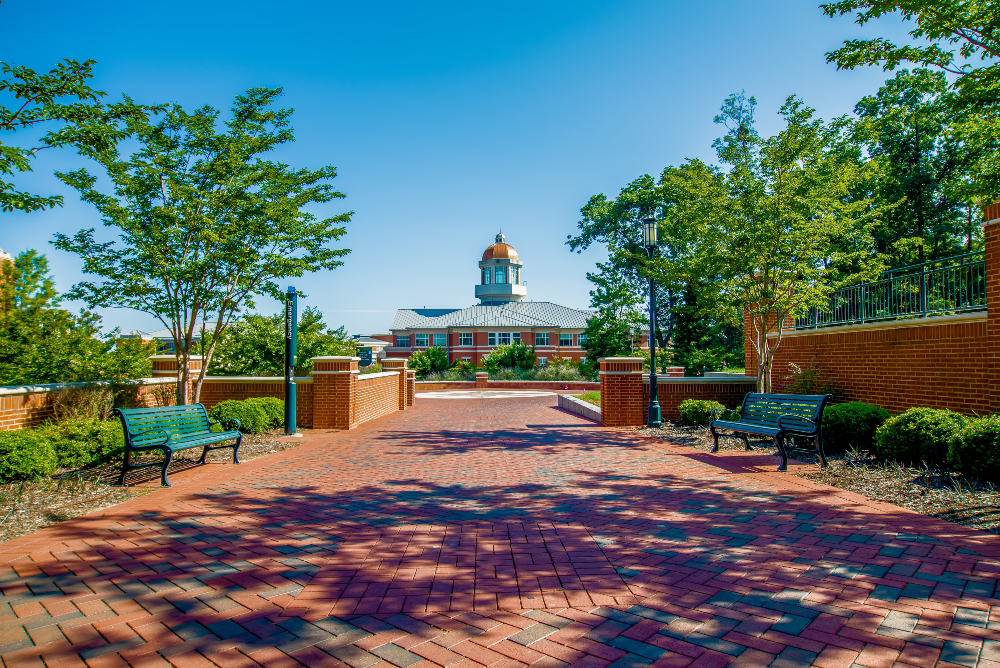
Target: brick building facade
<point>502,316</point>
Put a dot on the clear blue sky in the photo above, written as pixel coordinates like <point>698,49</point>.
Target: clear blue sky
<point>445,120</point>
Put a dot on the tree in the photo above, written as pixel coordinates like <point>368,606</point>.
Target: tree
<point>512,356</point>
<point>953,35</point>
<point>792,228</point>
<point>608,336</point>
<point>255,345</point>
<point>204,222</point>
<point>432,360</point>
<point>43,343</point>
<point>908,128</point>
<point>60,96</point>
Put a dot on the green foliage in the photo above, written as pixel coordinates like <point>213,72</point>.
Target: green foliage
<point>432,360</point>
<point>81,443</point>
<point>255,345</point>
<point>851,424</point>
<point>59,97</point>
<point>26,454</point>
<point>253,416</point>
<point>42,343</point>
<point>513,356</point>
<point>702,340</point>
<point>699,412</point>
<point>372,368</point>
<point>974,450</point>
<point>948,36</point>
<point>810,380</point>
<point>920,435</point>
<point>609,336</point>
<point>272,407</point>
<point>201,222</point>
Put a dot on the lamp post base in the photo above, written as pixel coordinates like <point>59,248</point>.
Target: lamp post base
<point>655,420</point>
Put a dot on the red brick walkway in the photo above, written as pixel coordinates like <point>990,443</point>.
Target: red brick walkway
<point>499,532</point>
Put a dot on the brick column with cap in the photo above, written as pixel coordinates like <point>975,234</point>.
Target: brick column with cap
<point>334,388</point>
<point>411,386</point>
<point>398,364</point>
<point>482,380</point>
<point>621,392</point>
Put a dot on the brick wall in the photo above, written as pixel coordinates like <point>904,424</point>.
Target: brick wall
<point>377,395</point>
<point>220,388</point>
<point>621,392</point>
<point>670,392</point>
<point>31,406</point>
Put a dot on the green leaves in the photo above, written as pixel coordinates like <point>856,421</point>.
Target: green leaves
<point>60,96</point>
<point>204,222</point>
<point>432,360</point>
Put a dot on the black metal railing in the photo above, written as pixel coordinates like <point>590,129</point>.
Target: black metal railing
<point>950,285</point>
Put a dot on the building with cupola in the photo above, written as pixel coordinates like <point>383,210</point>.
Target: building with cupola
<point>504,315</point>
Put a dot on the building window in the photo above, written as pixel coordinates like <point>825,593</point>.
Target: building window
<point>516,336</point>
<point>491,339</point>
<point>542,339</point>
<point>465,339</point>
<point>581,339</point>
<point>501,275</point>
<point>466,359</point>
<point>565,339</point>
<point>419,340</point>
<point>486,276</point>
<point>542,361</point>
<point>441,340</point>
<point>514,275</point>
<point>503,338</point>
<point>403,341</point>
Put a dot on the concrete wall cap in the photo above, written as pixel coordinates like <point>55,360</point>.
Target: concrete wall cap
<point>56,387</point>
<point>340,358</point>
<point>370,376</point>
<point>620,359</point>
<point>173,357</point>
<point>255,379</point>
<point>701,380</point>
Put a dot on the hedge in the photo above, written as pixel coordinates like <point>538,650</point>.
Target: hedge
<point>851,424</point>
<point>256,415</point>
<point>920,435</point>
<point>32,453</point>
<point>699,412</point>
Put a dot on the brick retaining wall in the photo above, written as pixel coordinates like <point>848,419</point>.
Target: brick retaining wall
<point>670,392</point>
<point>221,388</point>
<point>377,396</point>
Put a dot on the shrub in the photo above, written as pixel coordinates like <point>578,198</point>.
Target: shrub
<point>25,454</point>
<point>918,435</point>
<point>699,412</point>
<point>273,408</point>
<point>372,368</point>
<point>253,418</point>
<point>513,356</point>
<point>851,424</point>
<point>80,443</point>
<point>974,450</point>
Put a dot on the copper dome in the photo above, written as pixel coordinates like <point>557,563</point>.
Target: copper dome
<point>500,251</point>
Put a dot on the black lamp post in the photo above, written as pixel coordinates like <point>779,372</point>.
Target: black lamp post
<point>649,241</point>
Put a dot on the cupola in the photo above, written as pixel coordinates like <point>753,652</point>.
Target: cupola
<point>501,277</point>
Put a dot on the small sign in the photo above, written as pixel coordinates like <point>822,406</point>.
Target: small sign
<point>366,356</point>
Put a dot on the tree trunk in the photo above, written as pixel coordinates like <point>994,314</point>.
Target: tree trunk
<point>183,375</point>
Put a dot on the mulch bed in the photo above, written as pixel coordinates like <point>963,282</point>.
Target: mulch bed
<point>941,494</point>
<point>26,507</point>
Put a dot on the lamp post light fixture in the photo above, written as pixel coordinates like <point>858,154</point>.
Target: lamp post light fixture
<point>649,242</point>
<point>631,340</point>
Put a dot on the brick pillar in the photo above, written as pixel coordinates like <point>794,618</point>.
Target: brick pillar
<point>482,380</point>
<point>411,387</point>
<point>991,238</point>
<point>621,392</point>
<point>165,366</point>
<point>334,388</point>
<point>398,364</point>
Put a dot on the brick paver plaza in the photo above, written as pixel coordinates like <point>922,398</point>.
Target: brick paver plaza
<point>500,532</point>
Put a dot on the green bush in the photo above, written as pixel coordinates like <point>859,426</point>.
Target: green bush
<point>80,443</point>
<point>25,454</point>
<point>272,407</point>
<point>851,424</point>
<point>918,435</point>
<point>253,418</point>
<point>974,450</point>
<point>699,412</point>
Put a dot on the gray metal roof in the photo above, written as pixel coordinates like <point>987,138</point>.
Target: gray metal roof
<point>514,314</point>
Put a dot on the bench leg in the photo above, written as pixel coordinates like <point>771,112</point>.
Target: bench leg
<point>819,449</point>
<point>239,440</point>
<point>746,442</point>
<point>715,447</point>
<point>204,453</point>
<point>167,456</point>
<point>125,463</point>
<point>780,442</point>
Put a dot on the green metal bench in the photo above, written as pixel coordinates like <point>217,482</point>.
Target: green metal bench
<point>777,416</point>
<point>169,429</point>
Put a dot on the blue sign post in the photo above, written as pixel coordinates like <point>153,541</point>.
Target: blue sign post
<point>291,334</point>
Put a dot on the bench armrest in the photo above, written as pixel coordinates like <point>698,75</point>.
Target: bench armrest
<point>166,435</point>
<point>797,417</point>
<point>723,408</point>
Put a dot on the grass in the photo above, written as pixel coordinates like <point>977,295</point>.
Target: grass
<point>591,397</point>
